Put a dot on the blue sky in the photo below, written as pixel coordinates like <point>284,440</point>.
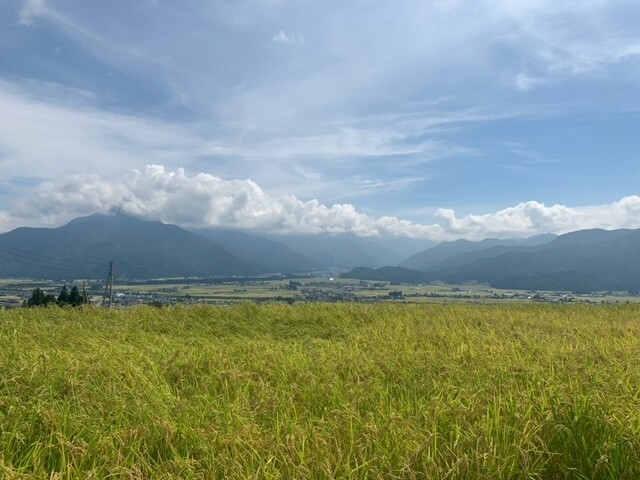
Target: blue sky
<point>430,119</point>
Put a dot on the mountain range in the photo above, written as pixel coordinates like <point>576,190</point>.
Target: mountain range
<point>586,260</point>
<point>145,249</point>
<point>582,261</point>
<point>431,258</point>
<point>141,249</point>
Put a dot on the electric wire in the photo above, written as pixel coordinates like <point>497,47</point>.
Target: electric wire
<point>48,257</point>
<point>65,268</point>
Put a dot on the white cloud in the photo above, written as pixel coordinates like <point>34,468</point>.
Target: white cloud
<point>30,9</point>
<point>525,82</point>
<point>47,130</point>
<point>348,142</point>
<point>531,218</point>
<point>203,200</point>
<point>282,37</point>
<point>7,221</point>
<point>574,38</point>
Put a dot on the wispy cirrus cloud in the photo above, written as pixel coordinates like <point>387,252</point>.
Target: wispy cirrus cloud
<point>50,130</point>
<point>46,138</point>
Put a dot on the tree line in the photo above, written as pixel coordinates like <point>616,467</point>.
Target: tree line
<point>72,298</point>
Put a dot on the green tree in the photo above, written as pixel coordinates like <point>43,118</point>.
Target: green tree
<point>36,298</point>
<point>75,298</point>
<point>39,299</point>
<point>64,298</point>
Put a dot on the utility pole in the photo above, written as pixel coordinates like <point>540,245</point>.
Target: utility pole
<point>108,289</point>
<point>85,298</point>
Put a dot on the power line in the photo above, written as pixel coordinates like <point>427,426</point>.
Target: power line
<point>16,256</point>
<point>43,265</point>
<point>48,257</point>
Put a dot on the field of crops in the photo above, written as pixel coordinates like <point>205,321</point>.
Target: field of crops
<point>321,391</point>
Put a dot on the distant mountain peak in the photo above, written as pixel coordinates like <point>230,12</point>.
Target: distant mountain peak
<point>140,248</point>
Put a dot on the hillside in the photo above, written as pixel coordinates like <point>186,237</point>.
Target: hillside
<point>388,274</point>
<point>432,257</point>
<point>141,249</point>
<point>270,255</point>
<point>586,260</point>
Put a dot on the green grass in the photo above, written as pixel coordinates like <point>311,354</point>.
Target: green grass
<point>321,391</point>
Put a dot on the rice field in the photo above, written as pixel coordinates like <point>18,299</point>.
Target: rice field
<point>321,391</point>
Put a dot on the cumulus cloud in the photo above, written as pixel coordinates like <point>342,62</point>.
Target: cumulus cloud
<point>204,200</point>
<point>530,218</point>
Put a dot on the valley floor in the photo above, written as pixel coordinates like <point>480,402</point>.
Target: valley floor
<point>301,289</point>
